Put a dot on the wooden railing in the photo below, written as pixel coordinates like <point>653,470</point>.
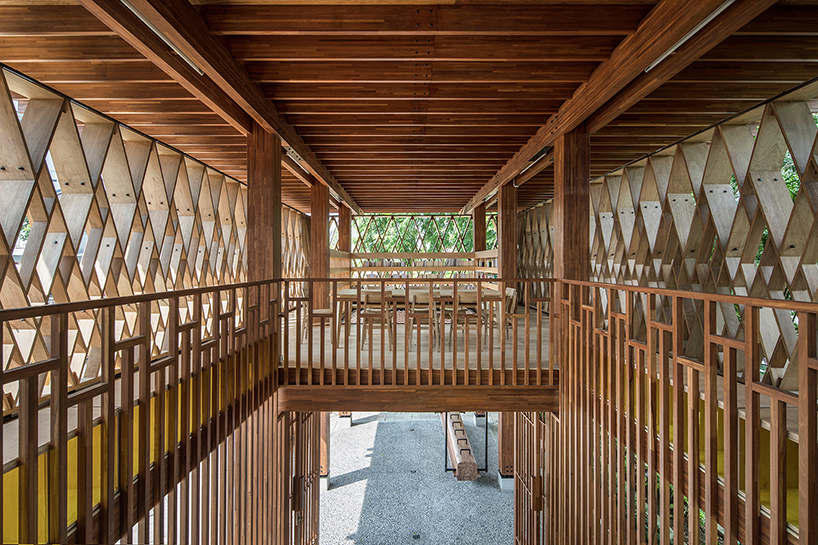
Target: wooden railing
<point>424,265</point>
<point>384,332</point>
<point>169,442</point>
<point>634,457</point>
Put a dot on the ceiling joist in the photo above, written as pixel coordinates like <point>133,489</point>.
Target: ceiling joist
<point>183,26</point>
<point>661,29</point>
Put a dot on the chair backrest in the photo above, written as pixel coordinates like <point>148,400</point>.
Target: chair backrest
<point>511,300</point>
<point>467,298</point>
<point>419,297</point>
<point>373,297</point>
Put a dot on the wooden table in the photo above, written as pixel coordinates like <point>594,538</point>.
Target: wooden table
<point>395,296</point>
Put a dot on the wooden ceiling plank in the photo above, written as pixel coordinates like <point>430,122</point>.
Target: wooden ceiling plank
<point>39,48</point>
<point>417,107</point>
<point>181,23</point>
<point>485,48</point>
<point>418,71</point>
<point>662,28</point>
<point>556,20</point>
<point>43,20</point>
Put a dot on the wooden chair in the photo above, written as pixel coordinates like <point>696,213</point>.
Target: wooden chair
<point>467,311</point>
<point>510,304</point>
<point>321,317</point>
<point>419,305</point>
<point>375,312</point>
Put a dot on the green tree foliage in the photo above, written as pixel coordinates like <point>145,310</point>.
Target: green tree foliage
<point>395,233</point>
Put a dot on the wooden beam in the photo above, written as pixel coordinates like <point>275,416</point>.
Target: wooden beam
<point>538,167</point>
<point>723,26</point>
<point>662,28</point>
<point>263,205</point>
<point>460,453</point>
<point>296,170</point>
<point>437,398</point>
<point>179,21</point>
<point>119,19</point>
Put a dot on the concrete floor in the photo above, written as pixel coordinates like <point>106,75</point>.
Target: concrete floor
<point>388,485</point>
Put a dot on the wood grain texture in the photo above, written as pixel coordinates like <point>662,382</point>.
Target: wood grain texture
<point>507,230</point>
<point>263,205</point>
<point>319,243</point>
<point>436,398</point>
<point>571,204</point>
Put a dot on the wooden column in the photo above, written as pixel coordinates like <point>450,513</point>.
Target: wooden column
<point>571,205</point>
<point>263,205</point>
<point>507,239</point>
<point>319,243</point>
<point>505,440</point>
<point>344,229</point>
<point>479,220</point>
<point>507,222</point>
<point>324,417</point>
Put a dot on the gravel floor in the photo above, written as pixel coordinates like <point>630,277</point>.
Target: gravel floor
<point>388,486</point>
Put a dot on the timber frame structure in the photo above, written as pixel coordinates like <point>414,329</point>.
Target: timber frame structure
<point>177,319</point>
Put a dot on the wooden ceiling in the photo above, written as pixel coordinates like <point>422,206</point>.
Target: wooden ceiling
<point>412,106</point>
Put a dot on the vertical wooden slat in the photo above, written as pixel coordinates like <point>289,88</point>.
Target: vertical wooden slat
<point>630,441</point>
<point>652,414</point>
<point>159,519</point>
<point>778,476</point>
<point>453,340</point>
<point>432,325</point>
<point>358,339</point>
<point>28,424</point>
<point>527,335</point>
<point>85,472</point>
<point>730,383</point>
<point>710,427</point>
<point>172,416</point>
<point>479,329</point>
<point>383,325</point>
<point>407,336</point>
<point>184,430</point>
<point>109,426</point>
<point>501,331</point>
<point>2,438</point>
<point>677,310</point>
<point>807,432</point>
<point>58,455</point>
<point>214,439</point>
<point>144,425</point>
<point>126,446</point>
<point>335,340</point>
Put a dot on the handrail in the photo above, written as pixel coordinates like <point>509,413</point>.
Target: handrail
<point>58,308</point>
<point>105,302</point>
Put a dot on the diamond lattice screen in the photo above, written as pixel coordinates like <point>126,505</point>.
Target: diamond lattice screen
<point>730,211</point>
<point>417,233</point>
<point>92,208</point>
